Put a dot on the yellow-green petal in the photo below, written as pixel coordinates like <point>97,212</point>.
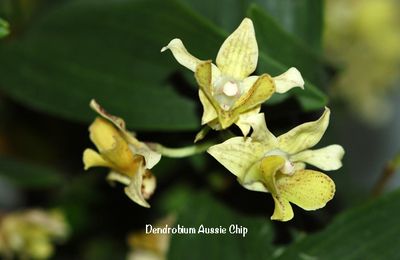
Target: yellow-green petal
<point>151,157</point>
<point>139,188</point>
<point>182,55</point>
<point>262,89</point>
<point>203,75</point>
<point>288,80</point>
<point>328,158</point>
<point>92,159</point>
<point>103,134</point>
<point>238,55</point>
<point>305,135</point>
<point>114,176</point>
<point>307,189</point>
<point>270,167</point>
<point>237,154</point>
<point>118,122</point>
<point>283,210</point>
<point>261,132</point>
<point>113,147</point>
<point>253,179</point>
<point>209,113</point>
<point>242,122</point>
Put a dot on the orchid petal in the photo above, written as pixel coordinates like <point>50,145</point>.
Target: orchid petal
<point>283,210</point>
<point>116,121</point>
<point>262,89</point>
<point>237,154</point>
<point>151,157</point>
<point>142,185</point>
<point>288,80</point>
<point>238,55</point>
<point>253,179</point>
<point>182,55</point>
<point>203,75</point>
<point>270,167</point>
<point>209,113</point>
<point>304,136</point>
<point>244,118</point>
<point>112,146</point>
<point>93,159</point>
<point>308,189</point>
<point>261,132</point>
<point>328,158</point>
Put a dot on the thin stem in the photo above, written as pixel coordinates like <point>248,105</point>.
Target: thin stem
<point>386,175</point>
<point>180,152</point>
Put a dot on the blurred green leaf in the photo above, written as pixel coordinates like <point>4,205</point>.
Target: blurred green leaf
<point>302,18</point>
<point>60,63</point>
<point>202,209</point>
<point>29,175</point>
<point>4,28</point>
<point>284,47</point>
<point>367,232</point>
<point>104,248</point>
<point>226,14</point>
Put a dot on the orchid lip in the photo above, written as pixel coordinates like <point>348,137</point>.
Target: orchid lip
<point>288,167</point>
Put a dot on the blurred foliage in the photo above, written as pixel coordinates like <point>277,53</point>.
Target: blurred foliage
<point>28,175</point>
<point>60,54</point>
<point>4,30</point>
<point>363,38</point>
<point>60,63</point>
<point>213,214</point>
<point>367,232</point>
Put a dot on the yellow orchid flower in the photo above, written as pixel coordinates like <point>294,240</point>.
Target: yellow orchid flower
<point>272,164</point>
<point>30,234</point>
<point>128,158</point>
<point>146,245</point>
<point>227,92</point>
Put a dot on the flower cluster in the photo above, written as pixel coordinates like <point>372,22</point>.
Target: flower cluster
<point>227,92</point>
<point>130,160</point>
<point>230,95</point>
<point>272,164</point>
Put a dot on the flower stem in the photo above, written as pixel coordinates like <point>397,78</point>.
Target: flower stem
<point>180,152</point>
<point>386,175</point>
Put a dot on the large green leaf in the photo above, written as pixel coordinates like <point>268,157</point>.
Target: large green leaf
<point>203,209</point>
<point>109,50</point>
<point>368,232</point>
<point>284,47</point>
<point>303,18</point>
